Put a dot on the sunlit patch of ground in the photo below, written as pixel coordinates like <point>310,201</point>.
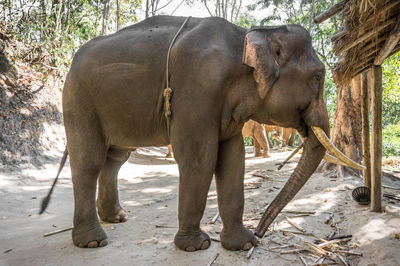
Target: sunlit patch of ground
<point>148,187</point>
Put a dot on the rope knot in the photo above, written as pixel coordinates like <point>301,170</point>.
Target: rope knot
<point>167,95</point>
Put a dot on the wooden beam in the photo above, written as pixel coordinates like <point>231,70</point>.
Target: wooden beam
<point>375,81</point>
<point>390,43</point>
<point>330,12</point>
<point>365,128</point>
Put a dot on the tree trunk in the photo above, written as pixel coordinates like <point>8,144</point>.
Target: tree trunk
<point>105,17</point>
<point>117,15</point>
<point>347,123</point>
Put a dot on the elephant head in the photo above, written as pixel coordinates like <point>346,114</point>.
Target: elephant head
<point>290,82</point>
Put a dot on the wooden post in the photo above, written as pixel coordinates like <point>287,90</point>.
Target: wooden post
<point>375,81</point>
<point>365,128</point>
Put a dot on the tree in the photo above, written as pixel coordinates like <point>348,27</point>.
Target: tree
<point>227,9</point>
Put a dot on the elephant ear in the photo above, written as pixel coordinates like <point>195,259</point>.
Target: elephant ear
<point>262,51</point>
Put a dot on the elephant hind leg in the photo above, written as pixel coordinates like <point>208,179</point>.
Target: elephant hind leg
<point>87,149</point>
<point>87,155</point>
<point>108,206</point>
<point>261,139</point>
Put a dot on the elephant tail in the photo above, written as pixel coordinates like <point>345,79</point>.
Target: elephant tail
<point>46,200</point>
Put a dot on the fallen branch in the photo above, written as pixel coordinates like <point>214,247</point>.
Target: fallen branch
<point>350,252</point>
<point>341,237</point>
<point>303,261</point>
<point>165,226</point>
<point>299,212</point>
<point>391,196</point>
<point>250,252</point>
<point>293,251</point>
<point>58,231</point>
<point>290,156</point>
<point>295,225</point>
<point>335,241</point>
<point>215,218</point>
<point>395,188</point>
<point>342,260</point>
<point>213,260</point>
<point>284,231</point>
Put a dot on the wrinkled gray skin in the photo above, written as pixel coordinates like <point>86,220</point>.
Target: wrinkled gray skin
<point>221,77</point>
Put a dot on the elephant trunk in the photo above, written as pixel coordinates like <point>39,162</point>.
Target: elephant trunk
<point>312,155</point>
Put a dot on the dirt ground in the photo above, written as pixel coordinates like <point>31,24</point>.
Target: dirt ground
<point>148,190</point>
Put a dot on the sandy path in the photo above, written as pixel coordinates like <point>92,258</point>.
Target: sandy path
<point>148,191</point>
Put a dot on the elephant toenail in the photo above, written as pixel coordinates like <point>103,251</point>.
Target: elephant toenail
<point>81,245</point>
<point>190,249</point>
<point>205,244</point>
<point>247,246</point>
<point>103,243</point>
<point>93,244</point>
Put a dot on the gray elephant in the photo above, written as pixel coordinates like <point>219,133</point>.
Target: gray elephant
<point>221,75</point>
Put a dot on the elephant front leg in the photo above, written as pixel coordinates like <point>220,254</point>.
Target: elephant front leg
<point>108,206</point>
<point>229,180</point>
<point>195,174</point>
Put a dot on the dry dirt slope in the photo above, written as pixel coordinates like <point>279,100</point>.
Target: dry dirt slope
<point>30,107</point>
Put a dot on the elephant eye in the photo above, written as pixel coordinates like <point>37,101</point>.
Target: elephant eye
<point>318,76</point>
<point>278,52</point>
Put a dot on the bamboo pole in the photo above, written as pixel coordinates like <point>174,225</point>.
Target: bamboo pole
<point>365,128</point>
<point>330,12</point>
<point>375,81</point>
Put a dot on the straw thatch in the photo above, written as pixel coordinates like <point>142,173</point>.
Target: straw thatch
<point>370,33</point>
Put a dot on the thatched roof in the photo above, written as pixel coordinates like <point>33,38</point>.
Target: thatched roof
<point>370,33</point>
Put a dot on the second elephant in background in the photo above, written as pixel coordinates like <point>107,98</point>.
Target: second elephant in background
<point>250,129</point>
<point>260,138</point>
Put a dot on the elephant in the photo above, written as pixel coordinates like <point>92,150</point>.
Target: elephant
<point>221,75</point>
<point>170,153</point>
<point>288,136</point>
<point>276,133</point>
<point>260,139</point>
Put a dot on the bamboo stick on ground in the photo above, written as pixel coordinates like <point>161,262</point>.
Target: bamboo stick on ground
<point>293,251</point>
<point>213,260</point>
<point>250,252</point>
<point>299,212</point>
<point>294,232</point>
<point>214,220</point>
<point>342,260</point>
<point>57,231</point>
<point>303,261</point>
<point>350,252</point>
<point>295,225</point>
<point>395,188</point>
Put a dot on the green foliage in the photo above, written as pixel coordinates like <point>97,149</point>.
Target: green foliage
<point>391,140</point>
<point>57,28</point>
<point>391,90</point>
<point>248,141</point>
<point>246,20</point>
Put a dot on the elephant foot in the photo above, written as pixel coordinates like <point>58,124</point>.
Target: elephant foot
<point>238,239</point>
<point>169,155</point>
<point>267,156</point>
<point>89,236</point>
<point>192,241</point>
<point>114,214</point>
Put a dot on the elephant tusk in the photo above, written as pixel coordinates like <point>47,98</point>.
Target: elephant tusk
<point>323,138</point>
<point>334,160</point>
